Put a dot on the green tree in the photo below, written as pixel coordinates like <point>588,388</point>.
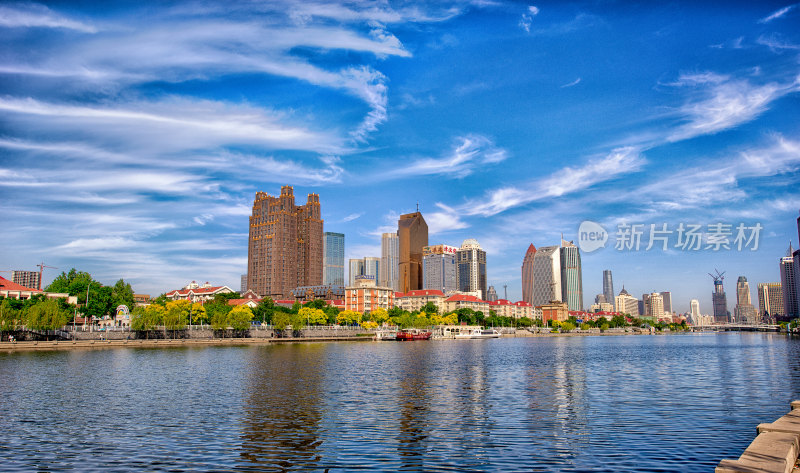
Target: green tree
<point>264,310</point>
<point>567,326</point>
<point>46,315</point>
<point>10,316</point>
<point>348,317</point>
<point>176,315</point>
<point>429,308</point>
<point>524,322</point>
<point>313,316</point>
<point>122,294</point>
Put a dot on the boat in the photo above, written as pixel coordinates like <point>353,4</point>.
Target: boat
<point>478,333</point>
<point>413,334</point>
<point>386,335</point>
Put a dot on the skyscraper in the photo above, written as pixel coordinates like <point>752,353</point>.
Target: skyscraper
<point>471,261</point>
<point>546,275</point>
<point>718,299</point>
<point>28,279</point>
<point>571,276</point>
<point>491,294</point>
<point>439,268</point>
<point>626,303</point>
<point>412,232</point>
<point>285,244</point>
<point>655,306</point>
<point>770,301</point>
<point>608,286</point>
<point>243,284</point>
<point>789,284</point>
<point>744,312</point>
<point>372,267</point>
<point>667,297</point>
<point>356,268</point>
<point>694,311</point>
<point>390,253</point>
<point>333,262</point>
<point>527,274</point>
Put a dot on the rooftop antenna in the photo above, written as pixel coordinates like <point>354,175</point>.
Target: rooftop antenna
<point>505,291</point>
<point>417,207</point>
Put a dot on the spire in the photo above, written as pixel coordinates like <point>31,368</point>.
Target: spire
<point>531,249</point>
<point>790,251</point>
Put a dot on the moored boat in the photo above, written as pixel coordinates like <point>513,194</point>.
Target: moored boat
<point>475,334</point>
<point>413,334</point>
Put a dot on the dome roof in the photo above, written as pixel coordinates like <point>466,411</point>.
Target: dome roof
<point>470,243</point>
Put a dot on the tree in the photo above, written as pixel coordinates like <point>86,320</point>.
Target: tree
<point>144,318</point>
<point>10,316</point>
<point>348,317</point>
<point>240,317</point>
<point>197,314</point>
<point>567,326</point>
<point>430,308</point>
<point>46,315</point>
<point>176,315</point>
<point>122,294</point>
<point>264,310</point>
<point>379,315</point>
<point>524,322</point>
<point>313,316</point>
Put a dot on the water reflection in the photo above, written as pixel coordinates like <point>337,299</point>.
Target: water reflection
<point>280,427</point>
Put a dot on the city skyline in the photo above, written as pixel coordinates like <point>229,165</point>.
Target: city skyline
<point>120,160</point>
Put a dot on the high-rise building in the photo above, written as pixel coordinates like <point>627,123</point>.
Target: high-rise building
<point>667,297</point>
<point>719,301</point>
<point>491,294</point>
<point>601,299</point>
<point>694,311</point>
<point>439,268</point>
<point>643,305</point>
<point>546,275</point>
<point>770,301</point>
<point>356,268</point>
<point>285,244</point>
<point>412,232</point>
<point>744,312</point>
<point>333,259</point>
<point>626,303</point>
<point>608,286</point>
<point>471,261</point>
<point>372,267</point>
<point>390,254</point>
<point>571,276</point>
<point>789,284</point>
<point>527,274</point>
<point>655,306</point>
<point>243,284</point>
<point>28,279</point>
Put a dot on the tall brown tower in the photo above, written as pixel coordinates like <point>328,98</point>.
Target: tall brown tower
<point>285,249</point>
<point>412,231</point>
<point>527,274</point>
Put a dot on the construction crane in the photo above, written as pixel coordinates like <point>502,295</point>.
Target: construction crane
<point>718,277</point>
<point>41,267</point>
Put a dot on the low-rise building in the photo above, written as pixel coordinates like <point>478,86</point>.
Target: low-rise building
<point>366,296</point>
<point>555,310</point>
<point>466,301</point>
<point>141,299</point>
<point>12,290</point>
<point>196,293</point>
<point>415,300</point>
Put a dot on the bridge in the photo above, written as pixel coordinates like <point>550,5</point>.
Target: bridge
<point>736,328</point>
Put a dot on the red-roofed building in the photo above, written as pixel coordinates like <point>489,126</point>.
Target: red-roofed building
<point>523,309</point>
<point>502,307</point>
<point>415,300</point>
<point>196,293</point>
<point>465,301</point>
<point>12,290</point>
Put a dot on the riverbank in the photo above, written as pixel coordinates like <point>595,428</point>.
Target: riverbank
<point>163,343</point>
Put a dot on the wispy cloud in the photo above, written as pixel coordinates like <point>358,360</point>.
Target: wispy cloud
<point>776,43</point>
<point>352,217</point>
<point>467,154</point>
<point>31,15</point>
<point>570,179</point>
<point>571,84</point>
<point>527,18</point>
<point>777,14</point>
<point>722,103</point>
<point>444,220</point>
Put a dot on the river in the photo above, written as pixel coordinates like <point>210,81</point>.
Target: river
<point>599,403</point>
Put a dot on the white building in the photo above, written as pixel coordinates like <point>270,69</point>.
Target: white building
<point>390,260</point>
<point>626,303</point>
<point>439,268</point>
<point>415,300</point>
<point>472,268</point>
<point>546,275</point>
<point>195,292</point>
<point>694,311</point>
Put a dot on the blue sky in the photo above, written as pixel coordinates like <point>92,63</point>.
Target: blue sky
<point>133,138</point>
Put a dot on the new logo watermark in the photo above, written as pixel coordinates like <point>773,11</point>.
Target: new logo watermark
<point>684,236</point>
<point>591,236</point>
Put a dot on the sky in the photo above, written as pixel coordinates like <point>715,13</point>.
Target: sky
<point>134,136</point>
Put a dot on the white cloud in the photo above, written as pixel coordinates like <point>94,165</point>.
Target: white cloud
<point>571,84</point>
<point>203,219</point>
<point>776,43</point>
<point>724,104</point>
<point>31,15</point>
<point>467,154</point>
<point>565,181</point>
<point>447,219</point>
<point>352,217</point>
<point>527,18</point>
<point>777,14</point>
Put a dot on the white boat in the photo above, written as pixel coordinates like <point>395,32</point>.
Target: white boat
<point>478,333</point>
